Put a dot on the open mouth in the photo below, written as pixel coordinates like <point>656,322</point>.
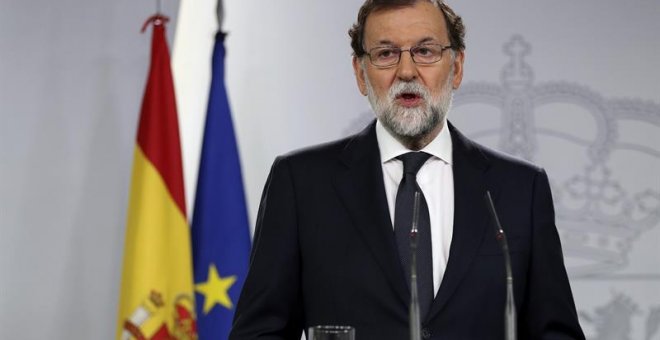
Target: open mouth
<point>409,99</point>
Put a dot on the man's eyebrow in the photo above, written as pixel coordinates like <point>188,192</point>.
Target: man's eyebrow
<point>425,40</point>
<point>386,42</point>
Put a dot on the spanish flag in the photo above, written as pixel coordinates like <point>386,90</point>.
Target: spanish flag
<point>156,299</point>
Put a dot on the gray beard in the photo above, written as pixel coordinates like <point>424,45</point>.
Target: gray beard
<point>411,124</point>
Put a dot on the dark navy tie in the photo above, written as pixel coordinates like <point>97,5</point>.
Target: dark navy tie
<point>403,216</point>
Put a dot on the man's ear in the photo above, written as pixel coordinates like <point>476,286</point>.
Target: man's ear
<point>458,69</point>
<point>359,75</point>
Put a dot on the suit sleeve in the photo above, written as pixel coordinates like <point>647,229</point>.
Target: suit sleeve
<point>548,311</point>
<point>270,303</point>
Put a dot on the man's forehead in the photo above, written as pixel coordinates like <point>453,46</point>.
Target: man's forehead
<point>416,23</point>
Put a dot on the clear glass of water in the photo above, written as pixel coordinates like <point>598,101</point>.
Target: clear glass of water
<point>331,333</point>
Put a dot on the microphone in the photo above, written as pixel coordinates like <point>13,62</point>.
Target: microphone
<point>415,320</point>
<point>509,308</point>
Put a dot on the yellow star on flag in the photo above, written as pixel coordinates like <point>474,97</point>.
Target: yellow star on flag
<point>216,289</point>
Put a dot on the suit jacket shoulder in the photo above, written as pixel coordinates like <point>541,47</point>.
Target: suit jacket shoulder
<point>481,155</point>
<point>341,149</point>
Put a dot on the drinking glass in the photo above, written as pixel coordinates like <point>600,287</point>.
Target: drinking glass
<point>331,333</point>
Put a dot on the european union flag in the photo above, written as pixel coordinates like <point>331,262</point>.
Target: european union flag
<point>220,232</point>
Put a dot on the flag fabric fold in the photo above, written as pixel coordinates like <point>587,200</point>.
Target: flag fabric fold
<point>156,298</point>
<point>220,231</point>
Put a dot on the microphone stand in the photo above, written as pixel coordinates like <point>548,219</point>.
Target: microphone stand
<point>510,307</point>
<point>415,320</point>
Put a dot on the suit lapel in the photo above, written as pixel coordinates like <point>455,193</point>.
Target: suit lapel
<point>360,186</point>
<point>470,215</point>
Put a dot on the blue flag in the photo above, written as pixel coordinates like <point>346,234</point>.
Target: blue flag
<point>220,232</point>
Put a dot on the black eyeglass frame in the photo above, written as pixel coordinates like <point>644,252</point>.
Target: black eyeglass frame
<point>410,50</point>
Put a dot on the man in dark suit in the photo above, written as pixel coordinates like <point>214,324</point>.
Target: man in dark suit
<point>331,241</point>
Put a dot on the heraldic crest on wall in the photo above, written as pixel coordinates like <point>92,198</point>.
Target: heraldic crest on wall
<point>600,213</point>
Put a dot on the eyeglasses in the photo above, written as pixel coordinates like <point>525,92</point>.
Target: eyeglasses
<point>421,54</point>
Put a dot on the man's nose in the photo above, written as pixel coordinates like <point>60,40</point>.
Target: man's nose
<point>407,69</point>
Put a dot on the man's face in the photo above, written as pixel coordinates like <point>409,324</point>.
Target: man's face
<point>410,100</point>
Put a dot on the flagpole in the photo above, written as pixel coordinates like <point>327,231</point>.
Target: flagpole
<point>221,15</point>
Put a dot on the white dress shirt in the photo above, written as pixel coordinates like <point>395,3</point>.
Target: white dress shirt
<point>435,178</point>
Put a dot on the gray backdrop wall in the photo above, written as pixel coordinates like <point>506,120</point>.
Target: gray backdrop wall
<point>572,86</point>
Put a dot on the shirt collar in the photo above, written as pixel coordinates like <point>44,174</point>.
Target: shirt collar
<point>390,148</point>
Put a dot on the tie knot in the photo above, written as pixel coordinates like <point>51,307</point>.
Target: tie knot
<point>413,161</point>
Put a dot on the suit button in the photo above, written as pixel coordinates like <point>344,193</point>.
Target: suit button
<point>426,333</point>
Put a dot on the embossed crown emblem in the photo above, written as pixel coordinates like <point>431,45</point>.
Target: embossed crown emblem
<point>601,208</point>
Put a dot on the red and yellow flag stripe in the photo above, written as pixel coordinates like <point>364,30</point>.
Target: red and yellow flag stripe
<point>156,299</point>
